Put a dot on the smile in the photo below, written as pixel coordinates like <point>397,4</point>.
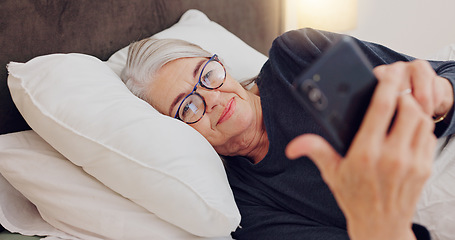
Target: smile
<point>228,111</point>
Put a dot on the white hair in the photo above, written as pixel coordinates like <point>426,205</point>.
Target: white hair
<point>147,56</point>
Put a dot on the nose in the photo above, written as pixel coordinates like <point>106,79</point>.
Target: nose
<point>211,97</point>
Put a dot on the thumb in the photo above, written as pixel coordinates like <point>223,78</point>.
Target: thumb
<point>317,149</point>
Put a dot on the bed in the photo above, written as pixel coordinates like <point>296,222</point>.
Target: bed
<point>92,33</point>
<point>82,158</point>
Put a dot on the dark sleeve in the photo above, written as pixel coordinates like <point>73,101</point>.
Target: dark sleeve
<point>269,224</point>
<point>266,223</point>
<point>421,232</point>
<point>294,51</point>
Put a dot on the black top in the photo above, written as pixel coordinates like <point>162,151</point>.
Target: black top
<point>283,199</point>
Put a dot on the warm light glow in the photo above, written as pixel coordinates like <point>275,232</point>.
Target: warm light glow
<point>330,15</point>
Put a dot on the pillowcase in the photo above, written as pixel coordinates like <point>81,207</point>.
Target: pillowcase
<point>67,198</point>
<point>241,61</point>
<point>17,213</point>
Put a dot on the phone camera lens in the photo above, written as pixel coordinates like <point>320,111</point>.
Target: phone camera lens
<point>315,95</point>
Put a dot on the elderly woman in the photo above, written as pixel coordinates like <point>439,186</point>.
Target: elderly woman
<point>370,193</point>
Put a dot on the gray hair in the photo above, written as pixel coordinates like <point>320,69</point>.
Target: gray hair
<point>147,56</point>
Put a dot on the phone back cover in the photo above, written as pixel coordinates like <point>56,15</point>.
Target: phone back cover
<point>345,79</point>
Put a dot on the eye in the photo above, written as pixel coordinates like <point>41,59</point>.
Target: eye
<point>206,79</point>
<point>189,108</point>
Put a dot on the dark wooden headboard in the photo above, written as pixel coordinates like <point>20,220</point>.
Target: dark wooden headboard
<point>29,28</point>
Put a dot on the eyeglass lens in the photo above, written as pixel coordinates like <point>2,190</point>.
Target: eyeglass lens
<point>213,75</point>
<point>192,109</point>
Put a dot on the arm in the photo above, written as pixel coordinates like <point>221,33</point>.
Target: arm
<point>433,91</point>
<point>379,181</point>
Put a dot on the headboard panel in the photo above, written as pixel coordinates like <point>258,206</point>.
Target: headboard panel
<point>29,28</point>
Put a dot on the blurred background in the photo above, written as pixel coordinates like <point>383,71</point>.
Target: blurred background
<point>419,28</point>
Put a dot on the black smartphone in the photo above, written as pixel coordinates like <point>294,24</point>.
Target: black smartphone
<point>337,89</point>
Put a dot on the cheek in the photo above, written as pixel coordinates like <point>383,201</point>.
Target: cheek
<point>214,137</point>
<point>203,127</point>
<point>230,131</point>
<point>243,118</point>
<point>239,123</point>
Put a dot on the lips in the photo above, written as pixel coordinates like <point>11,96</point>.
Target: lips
<point>228,111</point>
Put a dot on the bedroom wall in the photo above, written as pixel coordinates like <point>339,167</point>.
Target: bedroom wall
<point>415,27</point>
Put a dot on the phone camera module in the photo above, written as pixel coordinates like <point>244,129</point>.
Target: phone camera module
<point>314,94</point>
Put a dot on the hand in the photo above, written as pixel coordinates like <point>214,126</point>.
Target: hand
<point>378,183</point>
<point>432,92</point>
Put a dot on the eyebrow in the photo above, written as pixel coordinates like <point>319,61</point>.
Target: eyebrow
<point>182,95</point>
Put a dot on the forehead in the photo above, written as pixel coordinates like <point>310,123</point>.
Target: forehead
<point>175,77</point>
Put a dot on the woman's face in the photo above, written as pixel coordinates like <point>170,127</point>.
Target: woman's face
<point>229,112</point>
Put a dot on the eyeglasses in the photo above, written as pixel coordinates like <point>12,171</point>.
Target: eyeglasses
<point>193,106</point>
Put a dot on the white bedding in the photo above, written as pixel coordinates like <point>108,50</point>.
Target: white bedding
<point>44,194</point>
<point>435,210</point>
<point>18,214</point>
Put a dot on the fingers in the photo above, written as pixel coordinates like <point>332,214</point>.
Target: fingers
<point>443,96</point>
<point>422,80</point>
<point>412,129</point>
<point>393,79</point>
<point>407,119</point>
<point>424,144</point>
<point>417,167</point>
<point>382,107</point>
<point>401,140</point>
<point>419,76</point>
<point>424,140</point>
<point>409,151</point>
<point>433,93</point>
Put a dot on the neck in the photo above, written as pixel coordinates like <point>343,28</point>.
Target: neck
<point>257,144</point>
<point>260,151</point>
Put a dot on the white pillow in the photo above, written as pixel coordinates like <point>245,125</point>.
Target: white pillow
<point>17,213</point>
<point>242,61</point>
<point>67,198</point>
<point>79,106</point>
